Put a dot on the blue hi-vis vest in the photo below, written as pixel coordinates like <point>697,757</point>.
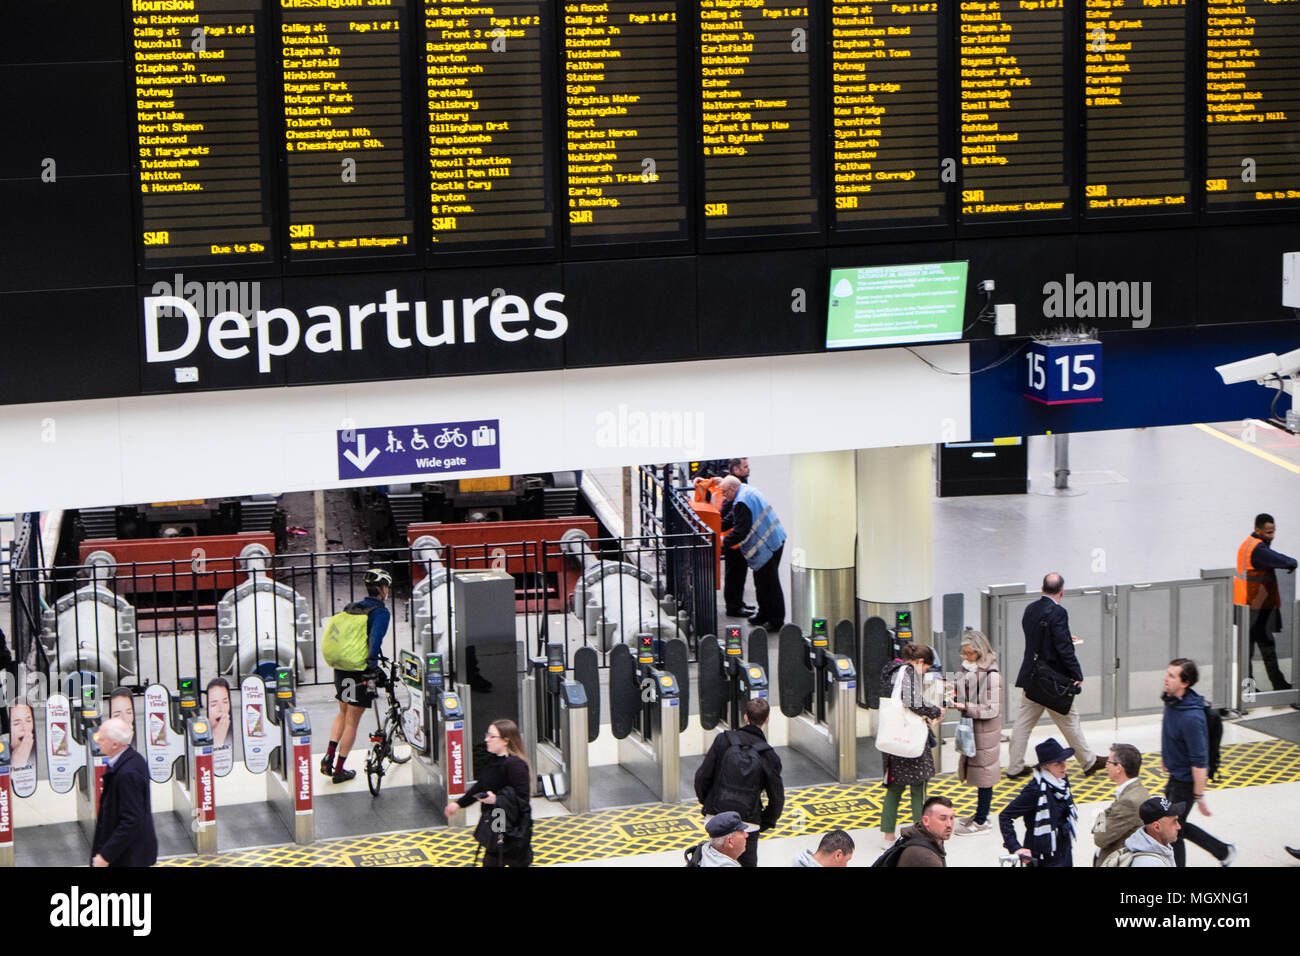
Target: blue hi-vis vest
<point>766,534</point>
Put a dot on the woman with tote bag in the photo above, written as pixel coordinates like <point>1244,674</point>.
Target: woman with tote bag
<point>906,674</point>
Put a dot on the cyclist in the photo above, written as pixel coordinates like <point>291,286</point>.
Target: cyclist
<point>354,686</point>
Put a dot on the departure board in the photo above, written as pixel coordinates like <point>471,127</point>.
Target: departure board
<point>1135,107</point>
<point>344,139</point>
<point>1252,102</point>
<point>756,117</point>
<point>886,158</point>
<point>1011,78</point>
<point>204,194</point>
<point>621,122</point>
<point>489,165</point>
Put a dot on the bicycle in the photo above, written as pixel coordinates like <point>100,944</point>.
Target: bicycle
<point>450,436</point>
<point>388,743</point>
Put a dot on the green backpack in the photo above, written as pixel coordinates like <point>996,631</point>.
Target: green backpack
<point>346,641</point>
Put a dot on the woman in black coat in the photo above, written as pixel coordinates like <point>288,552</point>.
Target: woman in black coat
<point>503,790</point>
<point>1047,808</point>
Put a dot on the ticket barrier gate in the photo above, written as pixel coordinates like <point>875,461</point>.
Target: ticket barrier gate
<point>288,774</point>
<point>440,760</point>
<point>6,807</point>
<point>649,708</point>
<point>727,682</point>
<point>194,800</point>
<point>819,697</point>
<point>86,719</point>
<point>557,730</point>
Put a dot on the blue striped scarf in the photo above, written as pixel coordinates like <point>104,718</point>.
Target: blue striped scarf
<point>1060,789</point>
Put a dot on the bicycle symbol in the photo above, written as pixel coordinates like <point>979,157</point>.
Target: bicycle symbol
<point>450,436</point>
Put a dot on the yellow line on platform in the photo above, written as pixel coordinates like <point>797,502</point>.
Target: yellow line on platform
<point>1244,446</point>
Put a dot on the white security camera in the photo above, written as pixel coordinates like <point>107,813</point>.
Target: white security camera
<point>1289,364</point>
<point>1255,369</point>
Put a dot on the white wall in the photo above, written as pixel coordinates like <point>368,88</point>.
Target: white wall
<point>209,444</point>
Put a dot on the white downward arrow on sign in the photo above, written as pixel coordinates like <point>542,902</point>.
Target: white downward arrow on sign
<point>360,458</point>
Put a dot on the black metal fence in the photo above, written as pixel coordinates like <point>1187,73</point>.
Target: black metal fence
<point>138,623</point>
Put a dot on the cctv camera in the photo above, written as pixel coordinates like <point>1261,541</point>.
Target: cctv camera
<point>1250,370</point>
<point>1289,363</point>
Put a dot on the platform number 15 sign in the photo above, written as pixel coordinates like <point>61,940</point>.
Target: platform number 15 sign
<point>1063,374</point>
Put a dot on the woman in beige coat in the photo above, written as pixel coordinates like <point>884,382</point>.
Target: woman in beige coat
<point>978,695</point>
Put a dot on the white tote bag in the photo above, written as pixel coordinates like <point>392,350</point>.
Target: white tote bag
<point>901,732</point>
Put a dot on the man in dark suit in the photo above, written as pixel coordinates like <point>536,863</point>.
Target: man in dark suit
<point>124,834</point>
<point>1047,637</point>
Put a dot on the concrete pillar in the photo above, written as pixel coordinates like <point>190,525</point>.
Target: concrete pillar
<point>822,524</point>
<point>894,550</point>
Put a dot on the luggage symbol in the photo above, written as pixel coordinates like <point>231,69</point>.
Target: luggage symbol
<point>484,435</point>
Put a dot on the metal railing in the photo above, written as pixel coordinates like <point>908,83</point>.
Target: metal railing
<point>621,591</point>
<point>146,622</point>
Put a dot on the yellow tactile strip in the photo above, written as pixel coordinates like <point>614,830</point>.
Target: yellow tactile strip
<point>654,828</point>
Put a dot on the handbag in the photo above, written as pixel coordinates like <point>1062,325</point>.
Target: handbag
<point>901,733</point>
<point>965,737</point>
<point>1048,686</point>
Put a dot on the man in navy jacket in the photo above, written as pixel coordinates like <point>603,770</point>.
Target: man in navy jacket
<point>1047,636</point>
<point>124,834</point>
<point>1185,756</point>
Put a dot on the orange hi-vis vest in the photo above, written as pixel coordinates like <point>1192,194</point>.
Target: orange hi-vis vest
<point>1253,586</point>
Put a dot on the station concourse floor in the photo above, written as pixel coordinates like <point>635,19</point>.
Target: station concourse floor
<point>1157,504</point>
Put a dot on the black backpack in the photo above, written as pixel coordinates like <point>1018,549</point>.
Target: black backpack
<point>694,855</point>
<point>739,782</point>
<point>891,856</point>
<point>1213,724</point>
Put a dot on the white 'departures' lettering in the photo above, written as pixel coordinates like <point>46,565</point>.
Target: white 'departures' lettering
<point>174,328</point>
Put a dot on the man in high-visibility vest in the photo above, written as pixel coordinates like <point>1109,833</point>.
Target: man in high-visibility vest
<point>757,533</point>
<point>1255,586</point>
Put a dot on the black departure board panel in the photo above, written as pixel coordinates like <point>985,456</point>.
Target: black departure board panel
<point>200,132</point>
<point>756,113</point>
<point>622,128</point>
<point>1252,103</point>
<point>343,69</point>
<point>489,154</point>
<point>1135,106</point>
<point>1011,110</point>
<point>290,134</point>
<point>886,161</point>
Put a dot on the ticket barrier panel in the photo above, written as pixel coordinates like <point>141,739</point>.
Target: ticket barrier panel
<point>288,778</point>
<point>645,708</point>
<point>819,697</point>
<point>727,681</point>
<point>194,799</point>
<point>86,719</point>
<point>6,806</point>
<point>558,730</point>
<point>440,769</point>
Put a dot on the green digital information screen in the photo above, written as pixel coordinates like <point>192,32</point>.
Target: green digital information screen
<point>896,305</point>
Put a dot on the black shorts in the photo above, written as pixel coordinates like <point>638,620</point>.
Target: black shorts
<point>351,687</point>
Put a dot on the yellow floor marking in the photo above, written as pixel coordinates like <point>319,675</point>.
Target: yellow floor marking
<point>655,828</point>
<point>1244,446</point>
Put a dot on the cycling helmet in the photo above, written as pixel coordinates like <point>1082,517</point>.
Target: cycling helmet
<point>379,576</point>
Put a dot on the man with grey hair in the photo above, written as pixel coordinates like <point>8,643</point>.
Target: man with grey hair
<point>1048,641</point>
<point>728,836</point>
<point>124,834</point>
<point>1120,820</point>
<point>756,533</point>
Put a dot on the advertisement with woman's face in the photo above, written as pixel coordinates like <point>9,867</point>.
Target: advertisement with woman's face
<point>122,707</point>
<point>223,740</point>
<point>22,754</point>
